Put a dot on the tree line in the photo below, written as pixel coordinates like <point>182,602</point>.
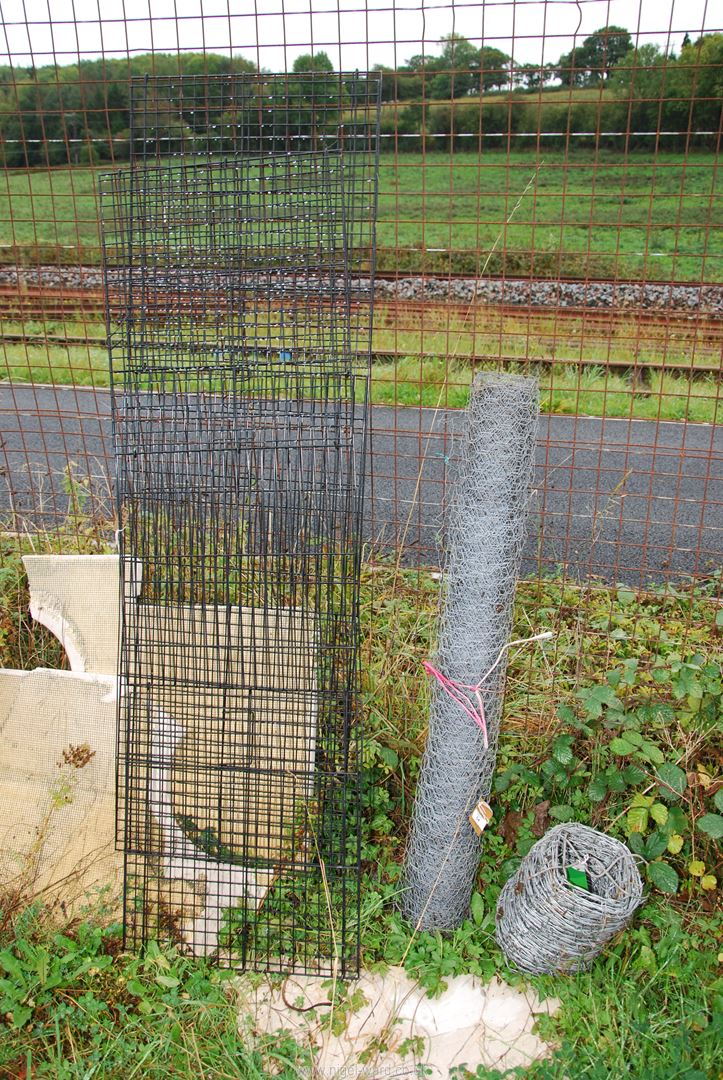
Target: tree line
<point>81,113</point>
<point>461,69</point>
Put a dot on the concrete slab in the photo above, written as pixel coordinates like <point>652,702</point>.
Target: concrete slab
<point>246,781</point>
<point>77,598</point>
<point>57,784</point>
<point>393,1029</point>
<point>187,650</point>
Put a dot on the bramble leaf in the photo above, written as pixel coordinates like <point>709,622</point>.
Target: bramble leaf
<point>562,750</point>
<point>566,714</point>
<point>639,812</point>
<point>631,774</point>
<point>711,825</point>
<point>652,753</point>
<point>636,843</point>
<point>637,819</point>
<point>617,779</point>
<point>678,821</point>
<point>594,698</point>
<point>675,843</point>
<point>663,876</point>
<point>673,780</point>
<point>655,845</point>
<point>597,789</point>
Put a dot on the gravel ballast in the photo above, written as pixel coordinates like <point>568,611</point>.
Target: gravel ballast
<point>623,295</point>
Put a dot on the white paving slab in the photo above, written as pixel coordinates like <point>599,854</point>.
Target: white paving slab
<point>397,1028</point>
<point>57,783</point>
<point>77,598</point>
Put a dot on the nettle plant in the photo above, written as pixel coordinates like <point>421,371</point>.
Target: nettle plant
<point>631,756</point>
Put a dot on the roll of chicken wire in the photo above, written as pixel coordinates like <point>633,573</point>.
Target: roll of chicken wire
<point>485,533</point>
<point>573,891</point>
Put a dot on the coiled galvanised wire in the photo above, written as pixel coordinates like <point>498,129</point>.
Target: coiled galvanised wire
<point>545,922</point>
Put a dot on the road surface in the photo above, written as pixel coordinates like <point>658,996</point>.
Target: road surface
<point>629,501</point>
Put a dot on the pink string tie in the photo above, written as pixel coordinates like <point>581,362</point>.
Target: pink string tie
<point>474,707</point>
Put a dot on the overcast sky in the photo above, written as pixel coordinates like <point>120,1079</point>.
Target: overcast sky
<point>355,33</point>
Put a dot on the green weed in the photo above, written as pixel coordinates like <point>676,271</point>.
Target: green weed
<point>634,751</point>
<point>615,722</point>
<point>435,382</point>
<point>24,643</point>
<point>73,1005</point>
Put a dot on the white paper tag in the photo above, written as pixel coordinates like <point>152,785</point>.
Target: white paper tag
<point>480,817</point>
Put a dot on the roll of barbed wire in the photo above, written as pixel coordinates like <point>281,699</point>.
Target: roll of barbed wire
<point>573,891</point>
<point>485,533</point>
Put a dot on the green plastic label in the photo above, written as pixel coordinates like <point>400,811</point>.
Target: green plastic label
<point>578,877</point>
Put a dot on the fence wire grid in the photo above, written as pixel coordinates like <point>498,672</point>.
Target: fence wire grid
<point>549,204</point>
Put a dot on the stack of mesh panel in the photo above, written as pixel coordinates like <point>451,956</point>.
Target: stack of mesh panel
<point>239,250</point>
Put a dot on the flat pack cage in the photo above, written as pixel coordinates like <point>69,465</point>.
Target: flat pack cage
<point>239,289</point>
<point>253,114</point>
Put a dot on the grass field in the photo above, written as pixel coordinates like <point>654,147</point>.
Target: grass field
<point>578,215</point>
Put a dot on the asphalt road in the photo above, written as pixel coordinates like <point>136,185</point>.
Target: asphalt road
<point>629,501</point>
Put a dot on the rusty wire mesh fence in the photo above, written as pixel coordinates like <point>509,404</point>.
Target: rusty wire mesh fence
<point>549,202</point>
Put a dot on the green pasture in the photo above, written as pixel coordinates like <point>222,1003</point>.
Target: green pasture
<point>583,214</point>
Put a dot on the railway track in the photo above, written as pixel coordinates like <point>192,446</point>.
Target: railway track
<point>23,303</point>
<point>709,326</point>
<point>611,293</point>
<point>39,301</point>
<point>453,275</point>
<point>90,275</point>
